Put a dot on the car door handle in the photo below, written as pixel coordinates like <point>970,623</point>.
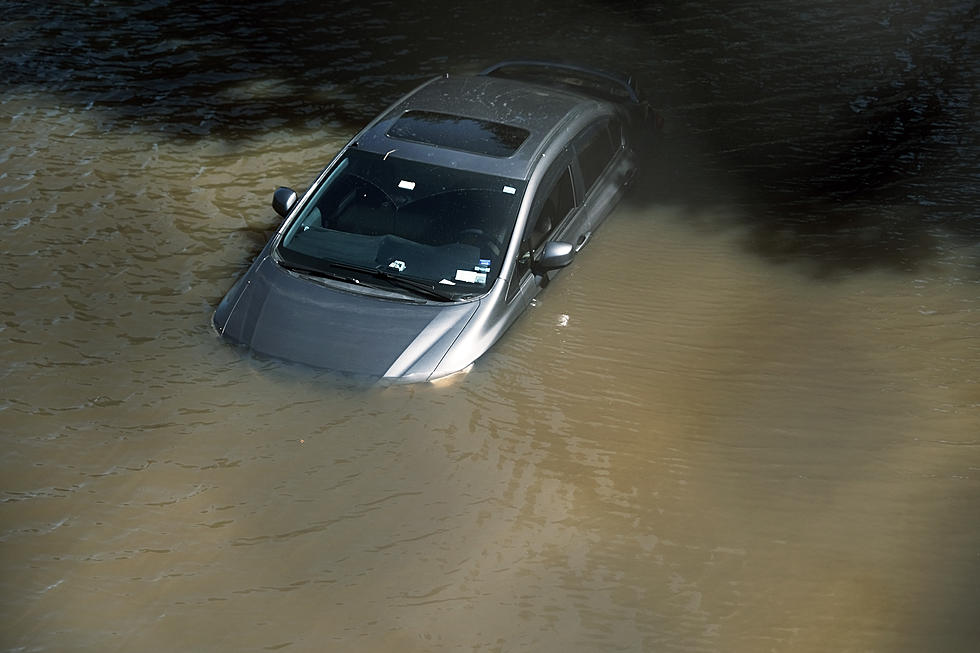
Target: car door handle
<point>584,238</point>
<point>630,177</point>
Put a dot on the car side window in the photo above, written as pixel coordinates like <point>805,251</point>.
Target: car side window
<point>545,216</point>
<point>601,146</point>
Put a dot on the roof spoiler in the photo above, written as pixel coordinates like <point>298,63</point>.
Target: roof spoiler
<point>623,83</point>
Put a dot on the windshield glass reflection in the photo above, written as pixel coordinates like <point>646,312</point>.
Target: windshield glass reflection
<point>440,225</point>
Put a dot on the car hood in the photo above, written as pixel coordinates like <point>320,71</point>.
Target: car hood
<point>283,315</point>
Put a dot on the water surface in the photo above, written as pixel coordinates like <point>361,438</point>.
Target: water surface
<point>745,419</point>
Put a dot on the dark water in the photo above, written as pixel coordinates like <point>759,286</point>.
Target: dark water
<point>746,418</point>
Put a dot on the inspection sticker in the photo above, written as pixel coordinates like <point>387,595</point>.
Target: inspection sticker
<point>407,185</point>
<point>470,276</point>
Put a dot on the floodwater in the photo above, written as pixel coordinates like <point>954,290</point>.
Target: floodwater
<point>746,419</point>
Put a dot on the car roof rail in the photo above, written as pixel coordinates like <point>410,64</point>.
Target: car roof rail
<point>583,75</point>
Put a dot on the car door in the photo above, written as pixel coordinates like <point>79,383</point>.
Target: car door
<point>553,209</point>
<point>602,171</point>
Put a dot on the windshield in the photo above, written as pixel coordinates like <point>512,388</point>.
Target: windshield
<point>445,227</point>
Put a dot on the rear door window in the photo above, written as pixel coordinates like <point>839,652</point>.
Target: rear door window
<point>599,149</point>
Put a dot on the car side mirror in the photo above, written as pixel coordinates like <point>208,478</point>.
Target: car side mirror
<point>554,255</point>
<point>283,200</point>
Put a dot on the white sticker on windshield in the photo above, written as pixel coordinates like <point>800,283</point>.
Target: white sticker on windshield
<point>397,265</point>
<point>469,276</point>
<point>510,190</point>
<point>407,185</point>
<point>447,282</point>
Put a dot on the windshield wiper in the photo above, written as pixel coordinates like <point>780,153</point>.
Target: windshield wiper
<point>419,287</point>
<point>405,283</point>
<point>317,272</point>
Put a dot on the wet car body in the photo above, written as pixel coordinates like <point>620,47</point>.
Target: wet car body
<point>432,230</point>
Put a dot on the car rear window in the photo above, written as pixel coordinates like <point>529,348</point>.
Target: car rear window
<point>459,133</point>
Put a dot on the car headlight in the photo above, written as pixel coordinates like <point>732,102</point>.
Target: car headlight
<point>452,377</point>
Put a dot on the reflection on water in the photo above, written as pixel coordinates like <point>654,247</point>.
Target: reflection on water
<point>745,419</point>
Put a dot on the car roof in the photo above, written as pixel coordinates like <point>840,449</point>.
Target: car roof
<point>538,111</point>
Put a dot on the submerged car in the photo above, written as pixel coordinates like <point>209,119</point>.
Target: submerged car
<point>431,231</point>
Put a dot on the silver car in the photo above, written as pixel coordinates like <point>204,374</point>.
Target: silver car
<point>430,232</point>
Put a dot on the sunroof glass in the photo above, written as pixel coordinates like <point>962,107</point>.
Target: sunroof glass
<point>459,133</point>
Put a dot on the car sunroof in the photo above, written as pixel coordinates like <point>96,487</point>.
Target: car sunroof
<point>459,133</point>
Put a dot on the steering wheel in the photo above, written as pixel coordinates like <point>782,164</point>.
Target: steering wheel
<point>471,236</point>
<point>477,238</point>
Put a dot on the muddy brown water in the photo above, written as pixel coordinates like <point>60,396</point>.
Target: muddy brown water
<point>746,419</point>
